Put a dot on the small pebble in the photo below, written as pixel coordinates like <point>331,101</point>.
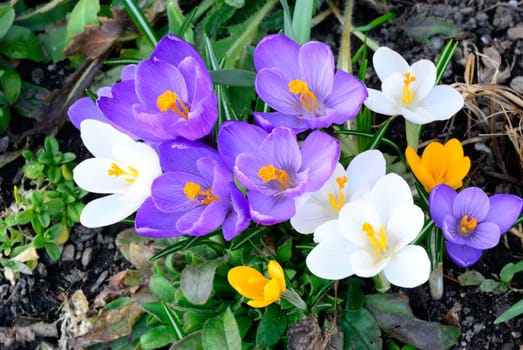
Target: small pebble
<point>517,84</point>
<point>42,270</point>
<point>87,256</point>
<point>515,334</point>
<point>68,253</point>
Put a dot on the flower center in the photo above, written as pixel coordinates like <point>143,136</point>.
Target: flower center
<point>307,98</point>
<point>466,225</point>
<point>269,172</point>
<point>170,100</point>
<point>408,94</point>
<point>193,191</point>
<point>128,176</point>
<point>337,203</point>
<point>378,241</point>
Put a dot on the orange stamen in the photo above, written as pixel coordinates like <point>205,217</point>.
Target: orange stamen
<point>170,100</point>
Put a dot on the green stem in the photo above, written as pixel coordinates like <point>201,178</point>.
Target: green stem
<point>412,132</point>
<point>381,283</point>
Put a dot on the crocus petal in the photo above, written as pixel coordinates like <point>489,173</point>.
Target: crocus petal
<point>281,146</point>
<point>364,170</point>
<point>351,219</point>
<point>347,96</point>
<point>311,215</point>
<point>246,170</point>
<point>404,226</point>
<point>128,72</point>
<point>316,63</point>
<point>331,259</point>
<point>168,191</point>
<point>272,87</point>
<point>463,255</point>
<point>453,102</point>
<point>271,120</point>
<point>99,137</point>
<point>238,219</point>
<point>285,60</point>
<point>435,160</point>
<point>151,222</point>
<point>320,164</point>
<point>441,201</point>
<point>85,108</point>
<point>473,202</point>
<point>365,264</point>
<point>387,62</point>
<point>484,236</point>
<point>459,165</point>
<point>330,230</point>
<point>425,73</point>
<point>391,88</point>
<point>269,210</point>
<point>173,50</point>
<point>408,268</point>
<point>276,272</point>
<point>419,169</point>
<point>504,210</point>
<point>236,137</point>
<point>379,103</point>
<point>91,175</point>
<point>418,115</point>
<point>247,281</point>
<point>202,219</point>
<point>179,155</point>
<point>107,210</point>
<point>390,192</point>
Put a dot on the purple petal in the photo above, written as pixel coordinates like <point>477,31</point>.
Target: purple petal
<point>504,210</point>
<point>450,230</point>
<point>198,80</point>
<point>484,236</point>
<point>286,58</point>
<point>463,255</point>
<point>181,155</point>
<point>202,220</point>
<point>316,63</point>
<point>128,72</point>
<point>201,120</point>
<point>441,200</point>
<point>269,210</point>
<point>320,154</point>
<point>347,96</point>
<point>151,222</point>
<point>323,121</point>
<point>238,218</point>
<point>246,169</point>
<point>271,120</point>
<point>85,108</point>
<point>167,191</point>
<point>237,137</point>
<point>472,202</point>
<point>173,50</point>
<point>273,88</point>
<point>159,124</point>
<point>281,149</point>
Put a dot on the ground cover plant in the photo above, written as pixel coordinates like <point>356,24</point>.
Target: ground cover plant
<point>265,189</point>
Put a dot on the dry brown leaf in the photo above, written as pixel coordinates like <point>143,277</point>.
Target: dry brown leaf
<point>516,32</point>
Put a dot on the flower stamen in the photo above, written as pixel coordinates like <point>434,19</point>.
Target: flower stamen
<point>466,225</point>
<point>269,173</point>
<point>192,190</point>
<point>307,98</point>
<point>338,203</point>
<point>408,94</point>
<point>170,100</point>
<point>116,171</point>
<point>378,240</point>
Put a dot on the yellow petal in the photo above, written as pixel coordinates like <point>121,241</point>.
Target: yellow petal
<point>435,160</point>
<point>259,303</point>
<point>457,172</point>
<point>247,281</point>
<point>276,273</point>
<point>271,291</point>
<point>419,170</point>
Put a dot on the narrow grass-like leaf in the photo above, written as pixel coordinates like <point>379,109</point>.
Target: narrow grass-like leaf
<point>139,19</point>
<point>182,244</point>
<point>247,236</point>
<point>287,19</point>
<point>378,136</point>
<point>173,322</point>
<point>233,77</point>
<point>301,20</point>
<point>513,311</point>
<point>384,140</point>
<point>444,59</point>
<point>375,22</point>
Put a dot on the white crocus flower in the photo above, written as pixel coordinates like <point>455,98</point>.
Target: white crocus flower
<point>373,235</point>
<point>411,90</point>
<point>314,209</point>
<point>122,167</point>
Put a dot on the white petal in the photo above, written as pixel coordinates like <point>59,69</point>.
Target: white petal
<point>404,226</point>
<point>443,101</point>
<point>408,268</point>
<point>91,175</point>
<point>418,115</point>
<point>379,103</point>
<point>364,264</point>
<point>364,170</point>
<point>392,87</point>
<point>311,215</point>
<point>99,137</point>
<point>351,219</point>
<point>390,192</point>
<point>108,210</point>
<point>425,73</point>
<point>331,259</point>
<point>328,231</point>
<point>387,62</point>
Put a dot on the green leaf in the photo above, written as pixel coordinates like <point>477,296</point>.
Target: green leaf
<point>162,288</point>
<point>20,43</point>
<point>53,41</point>
<point>422,27</point>
<point>272,326</point>
<point>84,13</point>
<point>235,3</point>
<point>139,19</point>
<point>191,341</point>
<point>233,77</point>
<point>197,281</point>
<point>471,278</point>
<point>5,118</point>
<point>488,285</point>
<point>156,337</point>
<point>509,270</point>
<point>53,251</point>
<point>24,217</point>
<point>284,251</point>
<point>301,20</point>
<point>394,317</point>
<point>221,333</point>
<point>11,84</point>
<point>361,331</point>
<point>510,313</point>
<point>7,16</point>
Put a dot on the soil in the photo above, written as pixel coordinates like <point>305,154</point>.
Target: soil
<point>490,29</point>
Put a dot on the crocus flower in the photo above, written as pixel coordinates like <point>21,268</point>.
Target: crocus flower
<point>170,96</point>
<point>373,235</point>
<point>274,169</point>
<point>301,84</point>
<point>471,221</point>
<point>123,167</point>
<point>411,90</point>
<point>343,186</point>
<point>251,284</point>
<point>195,196</point>
<point>439,164</point>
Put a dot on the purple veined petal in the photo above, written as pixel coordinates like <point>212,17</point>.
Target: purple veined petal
<point>173,50</point>
<point>85,108</point>
<point>286,58</point>
<point>463,255</point>
<point>316,63</point>
<point>153,78</point>
<point>216,174</point>
<point>238,219</point>
<point>320,154</point>
<point>180,155</point>
<point>154,127</point>
<point>504,210</point>
<point>271,120</point>
<point>323,121</point>
<point>152,222</point>
<point>128,72</point>
<point>347,96</point>
<point>273,88</point>
<point>387,62</point>
<point>197,79</point>
<point>270,210</point>
<point>246,170</point>
<point>167,191</point>
<point>201,120</point>
<point>441,200</point>
<point>484,236</point>
<point>281,149</point>
<point>236,137</point>
<point>450,230</point>
<point>202,220</point>
<point>473,202</point>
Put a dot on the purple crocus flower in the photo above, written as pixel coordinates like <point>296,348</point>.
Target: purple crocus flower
<point>301,84</point>
<point>274,169</point>
<point>171,95</point>
<point>471,221</point>
<point>195,196</point>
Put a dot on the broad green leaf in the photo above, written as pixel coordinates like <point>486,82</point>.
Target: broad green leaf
<point>361,331</point>
<point>511,312</point>
<point>156,337</point>
<point>422,27</point>
<point>7,16</point>
<point>197,281</point>
<point>84,13</point>
<point>471,278</point>
<point>235,3</point>
<point>301,20</point>
<point>42,15</point>
<point>233,77</point>
<point>53,251</point>
<point>191,341</point>
<point>21,43</point>
<point>284,251</point>
<point>221,333</point>
<point>162,288</point>
<point>54,41</point>
<point>488,285</point>
<point>272,326</point>
<point>509,270</point>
